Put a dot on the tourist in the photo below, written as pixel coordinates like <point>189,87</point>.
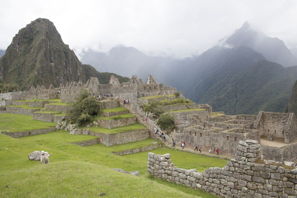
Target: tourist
<point>183,144</point>
<point>196,148</point>
<point>200,150</point>
<point>209,150</point>
<point>218,151</point>
<point>173,143</point>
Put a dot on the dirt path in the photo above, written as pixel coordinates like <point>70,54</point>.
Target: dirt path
<point>272,143</point>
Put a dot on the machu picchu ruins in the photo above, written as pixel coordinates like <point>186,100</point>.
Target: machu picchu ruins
<point>124,120</point>
<point>150,99</point>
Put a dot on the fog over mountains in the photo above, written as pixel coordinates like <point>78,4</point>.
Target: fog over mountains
<point>244,73</point>
<point>2,52</point>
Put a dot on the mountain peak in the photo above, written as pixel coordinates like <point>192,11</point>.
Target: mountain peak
<point>245,26</point>
<point>38,56</point>
<point>273,49</point>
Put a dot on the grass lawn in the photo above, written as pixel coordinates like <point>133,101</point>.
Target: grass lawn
<point>24,106</point>
<point>187,110</point>
<point>117,117</point>
<point>76,171</point>
<point>131,127</point>
<point>114,110</point>
<point>40,100</point>
<point>216,114</point>
<point>157,96</point>
<point>59,104</point>
<point>184,159</point>
<point>48,112</point>
<point>18,123</point>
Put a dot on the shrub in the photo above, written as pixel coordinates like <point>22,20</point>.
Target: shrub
<point>84,109</point>
<point>177,94</point>
<point>166,122</point>
<point>153,108</point>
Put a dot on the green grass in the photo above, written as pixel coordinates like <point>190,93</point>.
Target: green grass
<point>157,96</point>
<point>216,114</point>
<point>117,117</point>
<point>23,106</point>
<point>48,112</point>
<point>131,127</point>
<point>187,110</point>
<point>40,100</point>
<point>114,110</point>
<point>174,101</point>
<point>59,104</point>
<point>186,160</point>
<point>76,171</point>
<point>18,123</point>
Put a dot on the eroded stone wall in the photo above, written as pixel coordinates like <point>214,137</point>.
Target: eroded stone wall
<point>243,176</point>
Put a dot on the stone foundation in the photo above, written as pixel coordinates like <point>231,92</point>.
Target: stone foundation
<point>117,138</point>
<point>88,142</point>
<point>138,150</point>
<point>18,110</point>
<point>244,176</point>
<point>29,133</point>
<point>116,123</point>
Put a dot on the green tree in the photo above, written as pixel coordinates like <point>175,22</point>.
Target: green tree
<point>84,109</point>
<point>166,122</point>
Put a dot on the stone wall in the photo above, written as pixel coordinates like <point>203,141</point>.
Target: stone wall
<point>241,177</point>
<point>18,110</point>
<point>226,142</point>
<point>285,153</point>
<point>137,150</point>
<point>88,142</point>
<point>117,138</point>
<point>277,126</point>
<point>30,132</point>
<point>115,122</point>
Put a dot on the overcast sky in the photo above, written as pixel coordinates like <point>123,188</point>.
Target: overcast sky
<point>172,27</point>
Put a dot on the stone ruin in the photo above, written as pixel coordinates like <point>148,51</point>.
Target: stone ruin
<point>276,132</point>
<point>245,176</point>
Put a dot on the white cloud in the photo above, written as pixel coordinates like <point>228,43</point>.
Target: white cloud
<point>179,27</point>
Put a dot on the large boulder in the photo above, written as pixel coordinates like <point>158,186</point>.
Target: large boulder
<point>39,156</point>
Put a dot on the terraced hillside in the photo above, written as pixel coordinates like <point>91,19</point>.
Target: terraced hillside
<point>81,166</point>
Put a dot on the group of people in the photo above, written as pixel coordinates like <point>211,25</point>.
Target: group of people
<point>197,148</point>
<point>126,101</point>
<point>160,134</point>
<point>214,150</point>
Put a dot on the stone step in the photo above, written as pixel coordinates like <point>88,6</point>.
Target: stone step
<point>88,142</point>
<point>30,132</point>
<point>21,110</point>
<point>115,121</point>
<point>48,116</point>
<point>109,104</point>
<point>110,139</point>
<point>64,108</point>
<point>114,111</point>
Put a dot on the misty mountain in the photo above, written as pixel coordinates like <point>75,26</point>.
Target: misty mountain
<point>2,52</point>
<point>294,51</point>
<point>241,74</point>
<point>236,78</point>
<point>38,56</point>
<point>127,61</point>
<point>244,82</point>
<point>272,49</point>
